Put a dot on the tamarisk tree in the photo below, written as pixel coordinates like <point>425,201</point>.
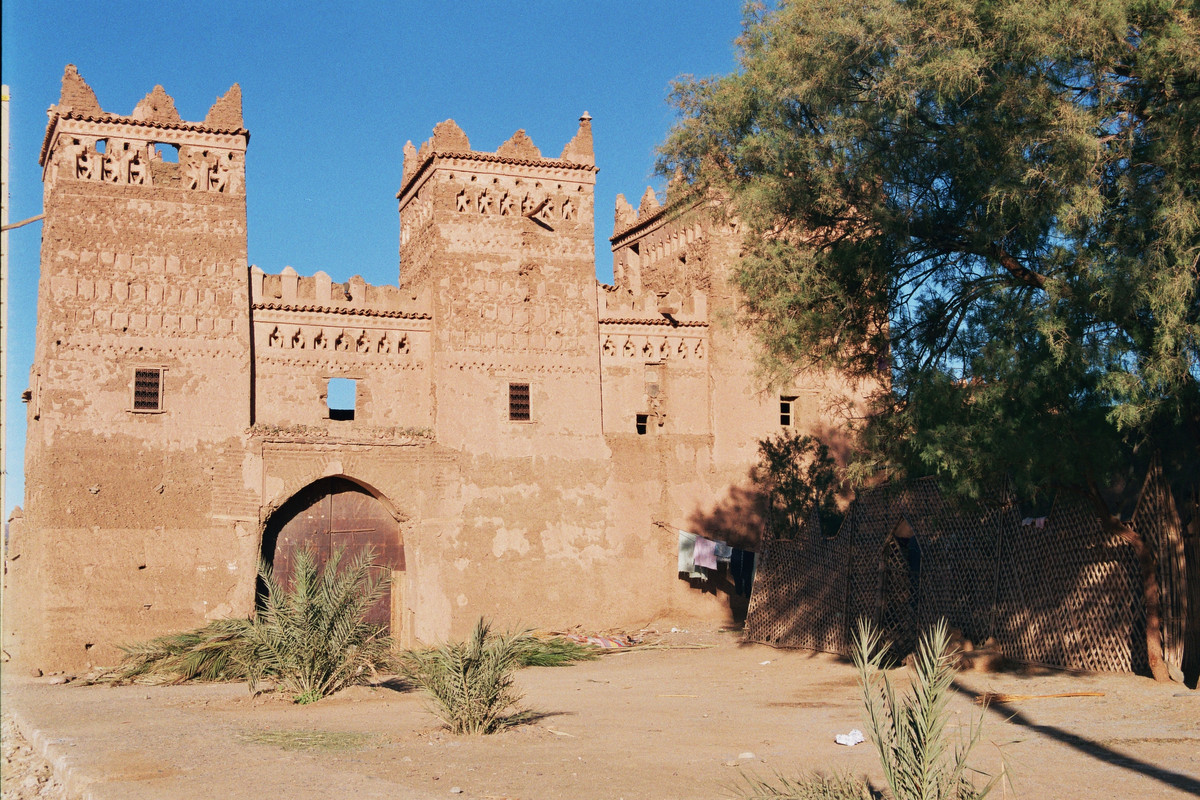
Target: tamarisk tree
<point>992,210</point>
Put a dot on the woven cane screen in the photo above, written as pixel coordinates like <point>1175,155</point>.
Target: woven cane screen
<point>1057,591</point>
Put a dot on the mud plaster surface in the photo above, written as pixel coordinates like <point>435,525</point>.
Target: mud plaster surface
<point>650,724</point>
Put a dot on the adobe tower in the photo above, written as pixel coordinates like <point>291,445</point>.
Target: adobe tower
<point>141,380</point>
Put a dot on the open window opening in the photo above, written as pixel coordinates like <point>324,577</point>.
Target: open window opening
<point>168,153</point>
<point>518,402</point>
<point>787,411</point>
<point>340,395</point>
<point>642,424</point>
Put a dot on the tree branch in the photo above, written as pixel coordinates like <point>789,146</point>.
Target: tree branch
<point>1015,268</point>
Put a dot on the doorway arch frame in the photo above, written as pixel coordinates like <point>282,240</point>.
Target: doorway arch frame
<point>401,617</point>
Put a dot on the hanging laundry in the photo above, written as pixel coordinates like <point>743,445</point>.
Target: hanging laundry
<point>741,565</point>
<point>705,553</point>
<point>687,545</point>
<point>724,552</point>
<point>687,557</point>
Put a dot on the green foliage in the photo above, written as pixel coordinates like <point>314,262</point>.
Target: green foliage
<point>311,639</point>
<point>216,652</point>
<point>920,762</point>
<point>470,683</point>
<point>800,478</point>
<point>554,652</point>
<point>813,787</point>
<point>989,210</point>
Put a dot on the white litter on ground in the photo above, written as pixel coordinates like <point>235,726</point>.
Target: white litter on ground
<point>850,739</point>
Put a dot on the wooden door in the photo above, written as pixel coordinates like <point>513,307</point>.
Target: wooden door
<point>329,514</point>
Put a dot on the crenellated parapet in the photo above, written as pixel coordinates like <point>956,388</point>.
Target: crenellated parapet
<point>652,326</point>
<point>450,142</point>
<point>670,307</point>
<point>446,181</point>
<point>316,319</point>
<point>661,247</point>
<point>152,146</point>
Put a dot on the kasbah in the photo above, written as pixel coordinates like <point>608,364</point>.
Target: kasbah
<point>514,439</point>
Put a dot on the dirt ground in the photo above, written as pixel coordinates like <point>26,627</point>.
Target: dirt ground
<point>686,722</point>
<point>24,773</point>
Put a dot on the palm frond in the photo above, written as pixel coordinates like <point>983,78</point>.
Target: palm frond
<point>557,651</point>
<point>811,787</point>
<point>470,684</point>
<point>309,637</point>
<point>920,759</point>
<point>210,653</point>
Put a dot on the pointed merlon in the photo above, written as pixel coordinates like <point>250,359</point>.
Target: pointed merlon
<point>520,146</point>
<point>410,159</point>
<point>226,113</point>
<point>649,203</point>
<point>579,150</point>
<point>676,186</point>
<point>76,95</point>
<point>449,138</point>
<point>624,216</point>
<point>157,107</point>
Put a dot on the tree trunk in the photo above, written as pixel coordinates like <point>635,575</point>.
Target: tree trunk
<point>1151,591</point>
<point>1152,599</point>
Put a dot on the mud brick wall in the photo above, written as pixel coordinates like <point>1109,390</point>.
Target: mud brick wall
<point>532,440</point>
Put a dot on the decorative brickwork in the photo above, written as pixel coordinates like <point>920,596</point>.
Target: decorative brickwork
<point>497,391</point>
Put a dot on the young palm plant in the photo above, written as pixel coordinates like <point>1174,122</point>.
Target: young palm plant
<point>311,638</point>
<point>811,787</point>
<point>470,684</point>
<point>920,759</point>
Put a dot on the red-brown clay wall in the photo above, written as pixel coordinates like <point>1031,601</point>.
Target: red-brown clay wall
<point>141,523</point>
<point>308,330</point>
<point>137,522</point>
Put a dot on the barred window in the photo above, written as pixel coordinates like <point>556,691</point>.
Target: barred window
<point>147,389</point>
<point>518,402</point>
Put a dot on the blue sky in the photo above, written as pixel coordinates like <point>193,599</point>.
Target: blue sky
<point>331,91</point>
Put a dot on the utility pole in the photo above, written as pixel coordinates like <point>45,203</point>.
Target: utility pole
<point>3,337</point>
<point>4,314</point>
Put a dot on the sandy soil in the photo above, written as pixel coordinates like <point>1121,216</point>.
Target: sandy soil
<point>657,723</point>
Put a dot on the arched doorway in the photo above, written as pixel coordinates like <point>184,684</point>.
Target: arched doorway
<point>332,513</point>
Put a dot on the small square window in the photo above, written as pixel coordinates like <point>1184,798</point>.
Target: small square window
<point>787,411</point>
<point>518,402</point>
<point>340,396</point>
<point>147,389</point>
